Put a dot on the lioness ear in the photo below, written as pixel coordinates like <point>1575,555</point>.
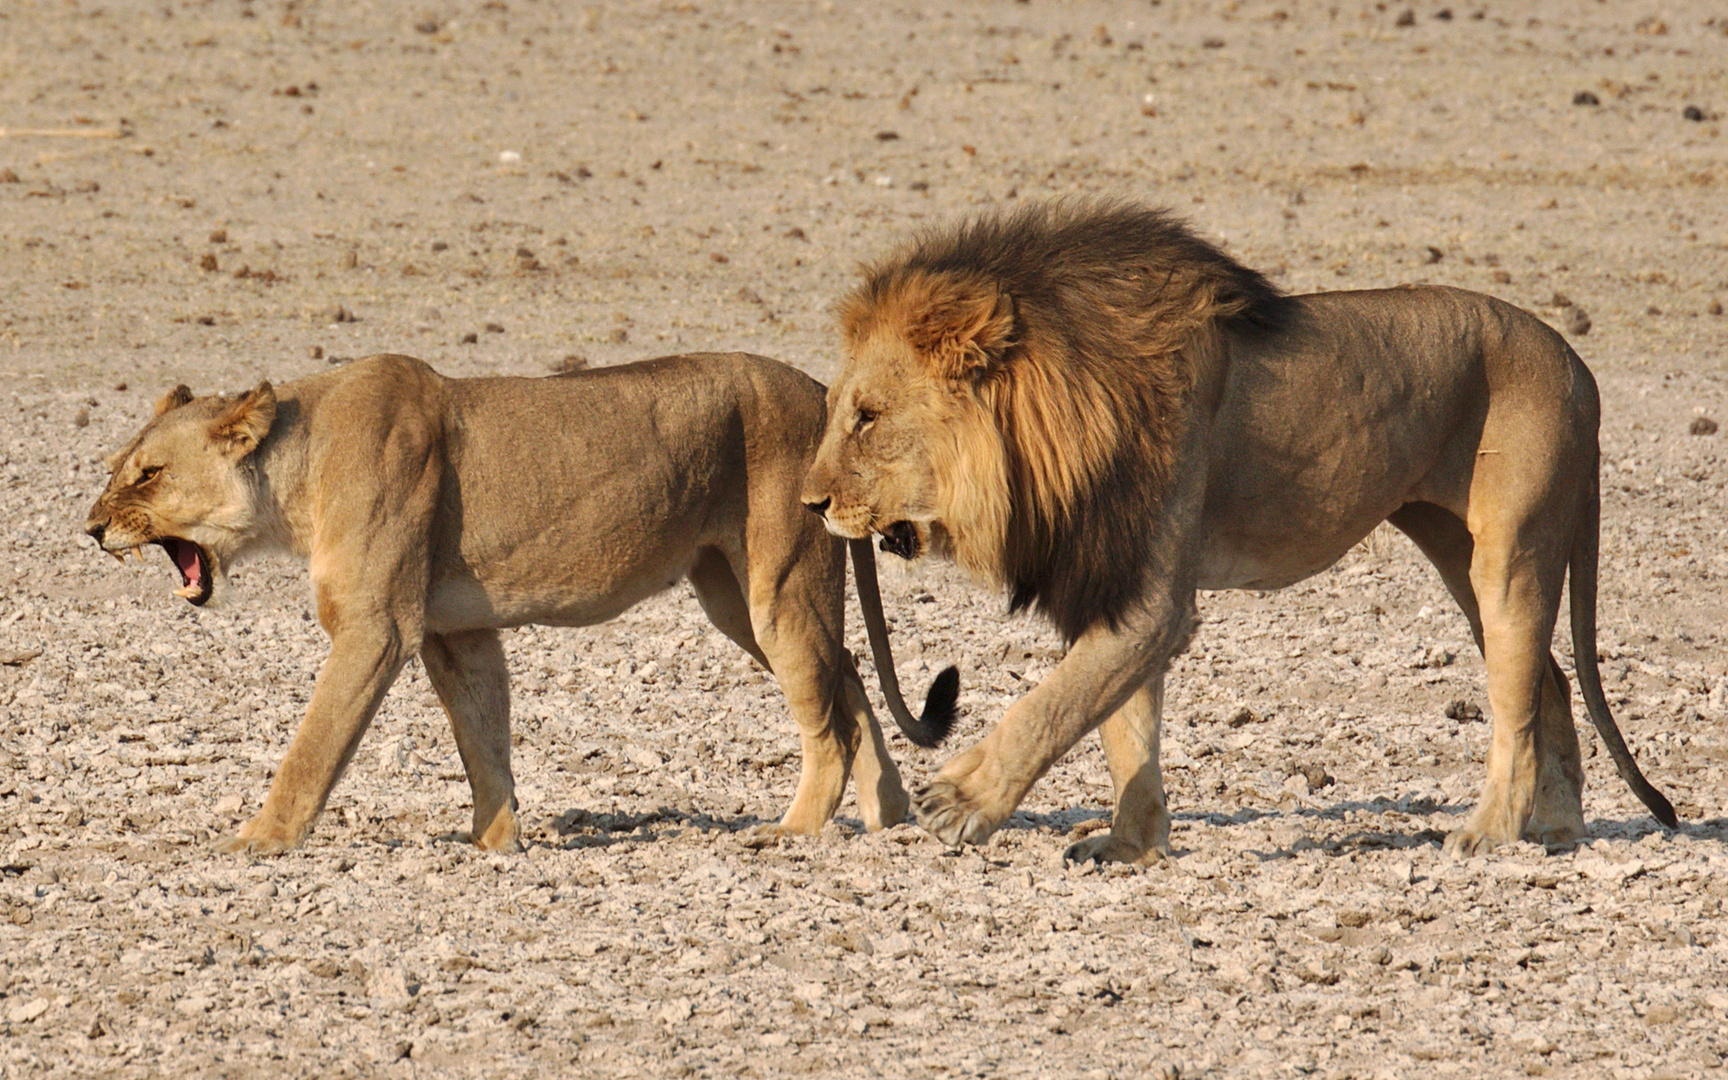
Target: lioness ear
<point>173,399</point>
<point>243,425</point>
<point>963,327</point>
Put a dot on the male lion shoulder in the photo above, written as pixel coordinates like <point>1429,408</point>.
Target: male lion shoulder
<point>1091,407</point>
<point>435,512</point>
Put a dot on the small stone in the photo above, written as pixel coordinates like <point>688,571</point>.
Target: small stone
<point>1660,1014</point>
<point>1693,113</point>
<point>208,262</point>
<point>1407,17</point>
<point>1559,300</point>
<point>1701,425</point>
<point>1585,97</point>
<point>7,176</point>
<point>619,335</point>
<point>21,915</point>
<point>316,352</point>
<point>1576,321</point>
<point>264,890</point>
<point>570,362</point>
<point>677,1011</point>
<point>349,259</point>
<point>470,339</point>
<point>219,236</point>
<point>1242,717</point>
<point>81,418</point>
<point>24,1012</point>
<point>494,328</point>
<point>1434,255</point>
<point>1714,307</point>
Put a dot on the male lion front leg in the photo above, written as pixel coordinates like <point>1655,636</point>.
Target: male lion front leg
<point>973,794</point>
<point>472,681</point>
<point>1140,829</point>
<point>365,657</point>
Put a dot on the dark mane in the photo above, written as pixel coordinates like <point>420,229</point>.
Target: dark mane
<point>1089,385</point>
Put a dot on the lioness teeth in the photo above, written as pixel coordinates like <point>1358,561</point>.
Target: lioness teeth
<point>188,591</point>
<point>138,550</point>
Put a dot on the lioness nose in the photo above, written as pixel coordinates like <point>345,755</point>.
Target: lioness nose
<point>818,508</point>
<point>96,529</point>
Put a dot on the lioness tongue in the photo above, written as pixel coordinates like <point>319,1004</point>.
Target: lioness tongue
<point>186,558</point>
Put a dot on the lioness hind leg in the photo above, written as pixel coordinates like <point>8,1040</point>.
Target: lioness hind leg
<point>882,798</point>
<point>778,632</point>
<point>473,683</point>
<point>1140,829</point>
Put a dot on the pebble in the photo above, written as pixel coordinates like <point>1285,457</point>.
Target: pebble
<point>1576,321</point>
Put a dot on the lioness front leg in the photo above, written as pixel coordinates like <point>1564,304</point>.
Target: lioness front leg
<point>1140,829</point>
<point>472,680</point>
<point>365,657</point>
<point>973,794</point>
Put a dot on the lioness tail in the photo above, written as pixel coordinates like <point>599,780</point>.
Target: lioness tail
<point>1583,568</point>
<point>939,705</point>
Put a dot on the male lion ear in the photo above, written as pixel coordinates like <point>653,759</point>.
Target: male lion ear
<point>173,399</point>
<point>243,425</point>
<point>965,327</point>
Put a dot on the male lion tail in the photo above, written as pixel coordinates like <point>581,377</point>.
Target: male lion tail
<point>938,719</point>
<point>1583,567</point>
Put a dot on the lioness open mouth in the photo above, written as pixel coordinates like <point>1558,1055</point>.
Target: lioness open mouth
<point>901,538</point>
<point>194,566</point>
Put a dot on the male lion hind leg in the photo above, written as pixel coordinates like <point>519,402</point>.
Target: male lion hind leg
<point>1140,829</point>
<point>468,672</point>
<point>1517,587</point>
<point>1558,814</point>
<point>975,791</point>
<point>787,644</point>
<point>365,657</point>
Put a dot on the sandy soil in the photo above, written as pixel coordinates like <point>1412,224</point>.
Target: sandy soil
<point>497,186</point>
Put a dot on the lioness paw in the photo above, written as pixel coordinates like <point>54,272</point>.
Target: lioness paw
<point>1108,847</point>
<point>252,839</point>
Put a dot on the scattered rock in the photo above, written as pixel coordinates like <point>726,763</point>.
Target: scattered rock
<point>1460,709</point>
<point>1575,321</point>
<point>1585,97</point>
<point>1702,425</point>
<point>1693,113</point>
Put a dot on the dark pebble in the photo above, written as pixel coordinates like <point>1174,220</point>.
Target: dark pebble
<point>1692,112</point>
<point>1585,97</point>
<point>1702,425</point>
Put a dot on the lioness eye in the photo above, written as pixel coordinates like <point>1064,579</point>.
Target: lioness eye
<point>148,473</point>
<point>866,417</point>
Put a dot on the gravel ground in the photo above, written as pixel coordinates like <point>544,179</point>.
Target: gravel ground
<point>220,192</point>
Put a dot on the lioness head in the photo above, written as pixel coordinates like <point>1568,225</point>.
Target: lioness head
<point>911,451</point>
<point>184,484</point>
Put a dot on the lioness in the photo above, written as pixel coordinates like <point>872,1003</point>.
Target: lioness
<point>1091,407</point>
<point>435,511</point>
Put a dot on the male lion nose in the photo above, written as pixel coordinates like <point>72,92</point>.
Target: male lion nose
<point>820,509</point>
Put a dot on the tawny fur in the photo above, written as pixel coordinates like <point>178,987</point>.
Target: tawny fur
<point>1089,406</point>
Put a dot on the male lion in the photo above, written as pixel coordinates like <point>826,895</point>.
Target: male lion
<point>436,511</point>
<point>1089,406</point>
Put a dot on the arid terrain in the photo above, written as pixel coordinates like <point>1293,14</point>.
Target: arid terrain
<point>219,192</point>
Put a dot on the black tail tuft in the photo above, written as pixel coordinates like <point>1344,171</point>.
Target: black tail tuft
<point>939,707</point>
<point>1662,808</point>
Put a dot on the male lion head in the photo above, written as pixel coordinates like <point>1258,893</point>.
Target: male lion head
<point>1015,392</point>
<point>908,454</point>
<point>184,484</point>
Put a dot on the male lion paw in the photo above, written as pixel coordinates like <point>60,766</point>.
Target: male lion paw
<point>1466,843</point>
<point>1108,847</point>
<point>945,813</point>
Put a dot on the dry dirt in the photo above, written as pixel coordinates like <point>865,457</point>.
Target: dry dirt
<point>498,186</point>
